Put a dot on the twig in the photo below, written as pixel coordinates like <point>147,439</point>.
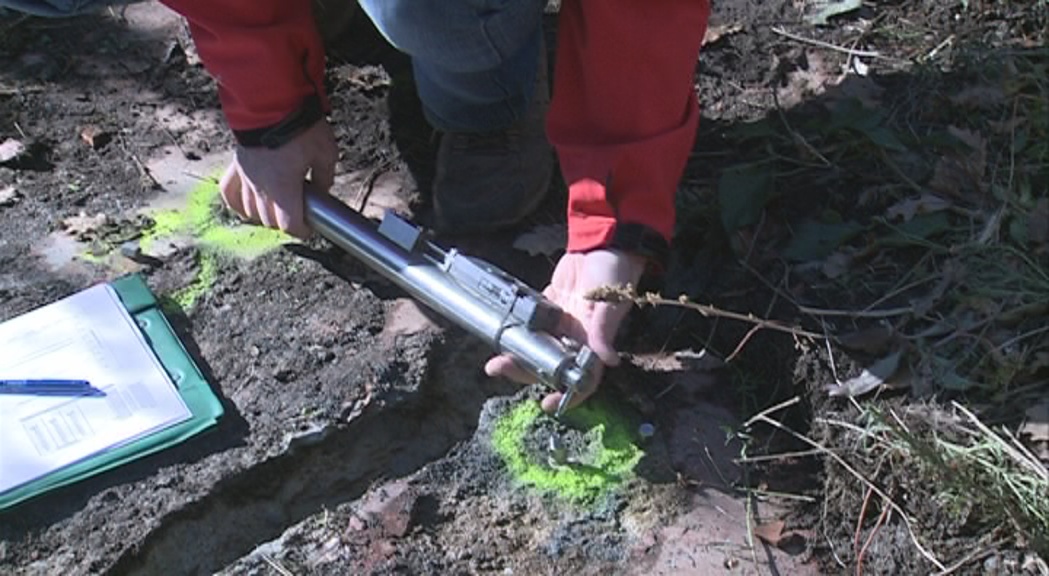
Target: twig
<point>4,91</point>
<point>365,191</point>
<point>620,294</point>
<point>771,409</point>
<point>887,313</point>
<point>978,554</point>
<point>841,461</point>
<point>783,495</point>
<point>859,528</point>
<point>932,53</point>
<point>739,347</point>
<point>276,566</point>
<point>143,171</point>
<point>829,46</point>
<point>1021,458</point>
<point>870,538</point>
<point>1024,336</point>
<point>777,456</point>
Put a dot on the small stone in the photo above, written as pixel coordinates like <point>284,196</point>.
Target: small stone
<point>10,150</point>
<point>9,196</point>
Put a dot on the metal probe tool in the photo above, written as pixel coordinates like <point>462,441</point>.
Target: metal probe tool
<point>510,316</point>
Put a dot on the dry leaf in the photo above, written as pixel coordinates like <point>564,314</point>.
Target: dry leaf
<point>911,207</point>
<point>9,196</point>
<point>10,150</point>
<point>545,239</point>
<point>770,532</point>
<point>812,81</point>
<point>95,137</point>
<point>715,33</point>
<point>82,224</point>
<point>870,379</point>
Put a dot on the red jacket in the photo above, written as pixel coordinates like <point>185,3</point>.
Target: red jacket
<point>622,119</point>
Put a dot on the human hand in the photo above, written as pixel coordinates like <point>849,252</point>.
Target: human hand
<point>264,186</point>
<point>586,321</point>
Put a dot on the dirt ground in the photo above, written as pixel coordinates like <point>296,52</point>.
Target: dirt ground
<point>361,435</point>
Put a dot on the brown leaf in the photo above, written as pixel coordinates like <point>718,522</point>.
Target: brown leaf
<point>95,137</point>
<point>717,32</point>
<point>10,150</point>
<point>911,207</point>
<point>9,196</point>
<point>770,532</point>
<point>812,81</point>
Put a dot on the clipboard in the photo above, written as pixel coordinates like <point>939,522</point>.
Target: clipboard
<point>203,404</point>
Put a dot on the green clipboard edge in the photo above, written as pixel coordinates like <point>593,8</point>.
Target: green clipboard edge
<point>202,402</point>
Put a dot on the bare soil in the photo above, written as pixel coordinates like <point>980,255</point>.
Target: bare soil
<point>357,435</point>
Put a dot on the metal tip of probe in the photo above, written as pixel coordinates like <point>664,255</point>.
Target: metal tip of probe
<point>556,453</point>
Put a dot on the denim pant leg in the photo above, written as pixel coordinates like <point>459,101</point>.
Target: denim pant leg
<point>60,8</point>
<point>474,61</point>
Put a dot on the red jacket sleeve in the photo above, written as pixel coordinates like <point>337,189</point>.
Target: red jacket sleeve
<point>624,113</point>
<point>266,55</point>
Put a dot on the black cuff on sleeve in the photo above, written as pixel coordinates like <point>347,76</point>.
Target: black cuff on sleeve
<point>643,241</point>
<point>279,134</point>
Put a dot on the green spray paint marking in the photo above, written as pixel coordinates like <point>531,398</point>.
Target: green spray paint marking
<point>187,296</point>
<point>613,463</point>
<point>200,220</point>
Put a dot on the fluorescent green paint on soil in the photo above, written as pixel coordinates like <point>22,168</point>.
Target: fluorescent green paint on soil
<point>612,464</point>
<point>187,296</point>
<point>199,219</point>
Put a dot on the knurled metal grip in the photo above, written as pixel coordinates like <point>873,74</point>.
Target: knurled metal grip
<point>511,316</point>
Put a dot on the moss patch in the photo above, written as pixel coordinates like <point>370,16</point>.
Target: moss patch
<point>609,464</point>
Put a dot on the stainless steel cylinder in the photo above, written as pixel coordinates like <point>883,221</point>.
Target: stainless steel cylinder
<point>424,277</point>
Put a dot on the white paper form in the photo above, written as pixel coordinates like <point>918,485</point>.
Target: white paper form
<point>88,336</point>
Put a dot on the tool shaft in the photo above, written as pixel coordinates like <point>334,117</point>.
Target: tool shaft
<point>423,272</point>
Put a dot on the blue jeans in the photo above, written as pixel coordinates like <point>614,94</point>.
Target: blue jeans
<point>474,61</point>
<point>60,8</point>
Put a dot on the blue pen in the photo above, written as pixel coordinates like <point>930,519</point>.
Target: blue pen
<point>49,387</point>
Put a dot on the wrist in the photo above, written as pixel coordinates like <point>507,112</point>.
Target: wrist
<point>298,121</point>
<point>642,242</point>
